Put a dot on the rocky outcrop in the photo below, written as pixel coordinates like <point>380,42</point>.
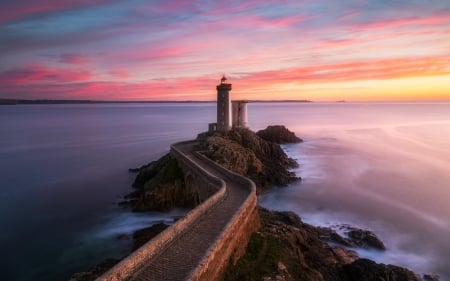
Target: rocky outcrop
<point>431,277</point>
<point>285,248</point>
<point>353,237</point>
<point>160,187</point>
<point>244,152</point>
<point>278,134</point>
<point>160,184</point>
<point>94,272</point>
<point>364,269</point>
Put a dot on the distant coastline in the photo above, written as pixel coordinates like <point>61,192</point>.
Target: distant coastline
<point>51,101</point>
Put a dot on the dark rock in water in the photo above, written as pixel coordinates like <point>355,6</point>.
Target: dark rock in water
<point>278,134</point>
<point>134,170</point>
<point>142,236</point>
<point>355,237</point>
<point>431,277</point>
<point>365,239</point>
<point>285,248</point>
<point>245,153</point>
<point>95,271</point>
<point>330,235</point>
<point>367,270</point>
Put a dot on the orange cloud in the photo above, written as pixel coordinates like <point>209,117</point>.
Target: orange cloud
<point>275,84</point>
<point>350,71</point>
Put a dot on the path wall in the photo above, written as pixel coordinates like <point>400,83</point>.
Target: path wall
<point>231,244</point>
<point>135,260</point>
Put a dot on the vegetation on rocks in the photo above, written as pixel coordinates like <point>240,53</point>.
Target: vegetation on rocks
<point>286,249</point>
<point>160,184</point>
<point>244,152</point>
<point>160,187</point>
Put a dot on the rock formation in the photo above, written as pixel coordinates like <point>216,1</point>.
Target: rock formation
<point>160,184</point>
<point>278,134</point>
<point>285,248</point>
<point>244,152</point>
<point>160,187</point>
<point>355,237</point>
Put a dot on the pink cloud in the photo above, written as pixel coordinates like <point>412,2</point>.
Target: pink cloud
<point>350,71</point>
<point>37,73</point>
<point>41,82</point>
<point>119,73</point>
<point>394,23</point>
<point>73,59</point>
<point>22,8</point>
<point>271,23</point>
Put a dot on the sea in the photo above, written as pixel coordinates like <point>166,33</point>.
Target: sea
<point>384,167</point>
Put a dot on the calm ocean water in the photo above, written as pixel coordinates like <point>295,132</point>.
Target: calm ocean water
<point>63,168</point>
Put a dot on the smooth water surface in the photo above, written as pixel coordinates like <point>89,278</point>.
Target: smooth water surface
<point>385,167</point>
<point>64,168</point>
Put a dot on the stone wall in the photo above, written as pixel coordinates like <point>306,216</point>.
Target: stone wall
<point>135,260</point>
<point>205,188</point>
<point>231,244</point>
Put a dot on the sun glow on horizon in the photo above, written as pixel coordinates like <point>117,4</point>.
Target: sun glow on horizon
<point>278,50</point>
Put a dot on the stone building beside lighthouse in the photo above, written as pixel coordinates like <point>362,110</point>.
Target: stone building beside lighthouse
<point>229,114</point>
<point>239,114</point>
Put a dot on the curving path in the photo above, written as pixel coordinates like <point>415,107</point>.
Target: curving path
<point>183,255</point>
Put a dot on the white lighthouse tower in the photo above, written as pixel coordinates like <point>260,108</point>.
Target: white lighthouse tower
<point>240,118</point>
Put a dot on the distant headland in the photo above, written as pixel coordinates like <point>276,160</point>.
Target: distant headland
<point>62,101</point>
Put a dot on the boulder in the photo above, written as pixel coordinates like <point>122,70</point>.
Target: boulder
<point>354,237</point>
<point>367,270</point>
<point>278,134</point>
<point>431,277</point>
<point>365,239</point>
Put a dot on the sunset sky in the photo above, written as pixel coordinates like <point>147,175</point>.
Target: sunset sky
<point>351,50</point>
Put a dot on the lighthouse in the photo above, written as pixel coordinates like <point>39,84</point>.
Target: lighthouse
<point>229,114</point>
<point>223,105</point>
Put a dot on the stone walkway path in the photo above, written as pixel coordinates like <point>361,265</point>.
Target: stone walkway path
<point>185,253</point>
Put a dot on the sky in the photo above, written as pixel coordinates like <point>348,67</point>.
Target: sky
<point>351,50</point>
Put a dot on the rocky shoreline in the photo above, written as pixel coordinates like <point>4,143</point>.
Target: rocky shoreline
<point>284,248</point>
<point>159,185</point>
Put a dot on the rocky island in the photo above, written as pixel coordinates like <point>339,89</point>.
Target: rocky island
<point>159,185</point>
<point>283,247</point>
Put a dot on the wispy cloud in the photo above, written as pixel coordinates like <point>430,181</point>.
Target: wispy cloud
<point>17,9</point>
<point>36,73</point>
<point>73,58</point>
<point>175,49</point>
